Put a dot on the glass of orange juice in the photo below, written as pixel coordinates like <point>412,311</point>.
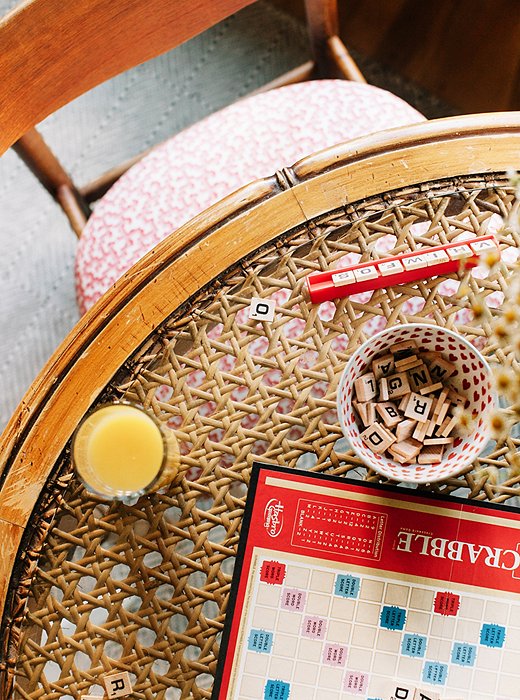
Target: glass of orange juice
<point>121,452</point>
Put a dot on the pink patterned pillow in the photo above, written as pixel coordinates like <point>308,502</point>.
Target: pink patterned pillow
<point>195,168</point>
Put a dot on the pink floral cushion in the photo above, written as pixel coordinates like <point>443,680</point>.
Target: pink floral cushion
<point>195,168</point>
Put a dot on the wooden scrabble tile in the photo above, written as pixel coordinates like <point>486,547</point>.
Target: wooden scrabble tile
<point>408,363</point>
<point>408,346</point>
<point>390,267</point>
<point>458,252</point>
<point>431,455</point>
<point>371,412</point>
<point>430,389</point>
<point>396,385</point>
<point>118,685</point>
<point>456,398</point>
<point>439,419</point>
<point>407,448</point>
<point>383,366</point>
<point>443,425</point>
<point>424,694</point>
<point>405,429</point>
<point>398,690</point>
<point>339,279</point>
<point>389,432</point>
<point>436,257</point>
<point>419,377</point>
<point>389,413</point>
<point>361,408</point>
<point>377,438</point>
<point>441,369</point>
<point>92,697</point>
<point>432,427</point>
<point>419,407</point>
<point>414,262</point>
<point>438,441</point>
<point>447,426</point>
<point>404,401</point>
<point>397,456</point>
<point>368,272</point>
<point>262,309</point>
<point>441,399</point>
<point>365,387</point>
<point>483,246</point>
<point>420,431</point>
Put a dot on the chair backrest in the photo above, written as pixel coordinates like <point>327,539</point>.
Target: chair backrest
<point>52,52</point>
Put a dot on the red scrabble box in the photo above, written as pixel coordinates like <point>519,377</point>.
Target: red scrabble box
<point>398,269</point>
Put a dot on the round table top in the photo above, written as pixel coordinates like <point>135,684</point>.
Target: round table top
<point>91,587</point>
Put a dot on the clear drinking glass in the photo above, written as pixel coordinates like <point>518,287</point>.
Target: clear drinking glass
<point>120,452</point>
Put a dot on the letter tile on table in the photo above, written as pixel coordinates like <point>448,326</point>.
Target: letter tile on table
<point>118,685</point>
<point>262,309</point>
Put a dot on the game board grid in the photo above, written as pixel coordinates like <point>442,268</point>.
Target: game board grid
<point>371,648</point>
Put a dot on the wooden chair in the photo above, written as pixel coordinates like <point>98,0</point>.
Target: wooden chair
<point>260,135</point>
<point>88,588</point>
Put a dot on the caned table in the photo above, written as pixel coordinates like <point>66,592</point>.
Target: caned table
<point>88,587</point>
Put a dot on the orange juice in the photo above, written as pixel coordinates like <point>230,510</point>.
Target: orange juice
<point>119,450</point>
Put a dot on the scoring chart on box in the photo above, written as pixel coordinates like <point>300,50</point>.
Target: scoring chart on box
<point>335,528</point>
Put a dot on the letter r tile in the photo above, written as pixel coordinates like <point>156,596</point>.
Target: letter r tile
<point>118,685</point>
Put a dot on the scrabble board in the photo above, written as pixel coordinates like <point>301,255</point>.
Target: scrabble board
<point>343,588</point>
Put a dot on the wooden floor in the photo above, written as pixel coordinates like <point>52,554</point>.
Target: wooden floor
<point>465,52</point>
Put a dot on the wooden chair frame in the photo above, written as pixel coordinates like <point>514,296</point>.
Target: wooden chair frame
<point>39,76</point>
<point>170,274</point>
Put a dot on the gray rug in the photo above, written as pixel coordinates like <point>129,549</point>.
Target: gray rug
<point>111,123</point>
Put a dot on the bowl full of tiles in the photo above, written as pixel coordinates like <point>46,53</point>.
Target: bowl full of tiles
<point>414,403</point>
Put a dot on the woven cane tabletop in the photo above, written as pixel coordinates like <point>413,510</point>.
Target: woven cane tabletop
<point>144,588</point>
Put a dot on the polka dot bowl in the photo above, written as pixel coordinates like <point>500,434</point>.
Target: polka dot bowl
<point>472,379</point>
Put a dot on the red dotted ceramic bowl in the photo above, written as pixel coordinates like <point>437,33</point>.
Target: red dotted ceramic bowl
<point>472,379</point>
